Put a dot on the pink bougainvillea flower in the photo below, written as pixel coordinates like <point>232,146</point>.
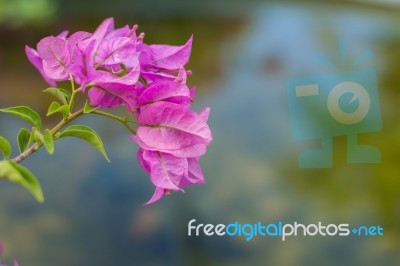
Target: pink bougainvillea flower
<point>119,47</point>
<point>175,91</point>
<point>169,91</point>
<point>115,67</point>
<point>109,90</point>
<point>110,48</point>
<point>110,64</point>
<point>172,128</point>
<point>166,56</point>
<point>37,61</point>
<point>162,62</point>
<point>109,96</point>
<point>55,56</point>
<point>172,139</point>
<point>169,173</point>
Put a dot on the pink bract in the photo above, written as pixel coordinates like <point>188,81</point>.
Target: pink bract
<point>114,67</point>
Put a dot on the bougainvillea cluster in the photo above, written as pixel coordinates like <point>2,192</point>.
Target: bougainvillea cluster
<point>115,67</point>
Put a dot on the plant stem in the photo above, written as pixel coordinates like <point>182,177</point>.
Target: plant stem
<point>124,121</point>
<point>56,129</point>
<point>120,119</point>
<point>53,131</point>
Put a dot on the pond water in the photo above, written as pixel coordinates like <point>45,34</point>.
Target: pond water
<point>241,62</point>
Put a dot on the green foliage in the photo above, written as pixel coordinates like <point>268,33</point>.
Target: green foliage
<point>18,174</point>
<point>87,109</point>
<point>25,113</point>
<point>36,136</point>
<point>61,94</point>
<point>5,147</point>
<point>23,140</point>
<point>55,107</point>
<point>48,141</point>
<point>87,134</point>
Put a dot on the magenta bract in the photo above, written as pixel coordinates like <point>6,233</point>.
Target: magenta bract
<point>116,67</point>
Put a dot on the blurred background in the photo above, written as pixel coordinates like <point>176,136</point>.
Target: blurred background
<point>243,54</point>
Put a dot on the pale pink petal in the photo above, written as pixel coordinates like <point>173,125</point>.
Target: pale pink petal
<point>182,75</point>
<point>158,194</point>
<point>195,175</point>
<point>98,97</point>
<point>75,38</point>
<point>186,152</point>
<point>168,91</point>
<point>130,78</point>
<point>63,35</point>
<point>36,61</point>
<point>113,95</point>
<point>205,113</point>
<point>107,52</point>
<point>95,40</point>
<point>153,77</point>
<point>170,127</point>
<point>56,57</point>
<point>170,57</point>
<point>166,171</point>
<point>105,27</point>
<point>142,162</point>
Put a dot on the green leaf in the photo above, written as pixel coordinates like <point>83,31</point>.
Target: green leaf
<point>18,174</point>
<point>23,140</point>
<point>87,134</point>
<point>88,108</point>
<point>55,107</point>
<point>26,113</point>
<point>37,136</point>
<point>5,147</point>
<point>61,94</point>
<point>48,141</point>
<point>32,136</point>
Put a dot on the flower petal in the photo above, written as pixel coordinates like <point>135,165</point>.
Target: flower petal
<point>37,61</point>
<point>195,175</point>
<point>56,57</point>
<point>168,56</point>
<point>166,171</point>
<point>75,38</point>
<point>204,114</point>
<point>105,27</point>
<point>153,77</point>
<point>63,35</point>
<point>165,91</point>
<point>110,96</point>
<point>104,78</point>
<point>171,127</point>
<point>107,52</point>
<point>158,194</point>
<point>142,162</point>
<point>99,97</point>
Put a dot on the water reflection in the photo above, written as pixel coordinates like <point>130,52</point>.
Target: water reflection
<point>94,215</point>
